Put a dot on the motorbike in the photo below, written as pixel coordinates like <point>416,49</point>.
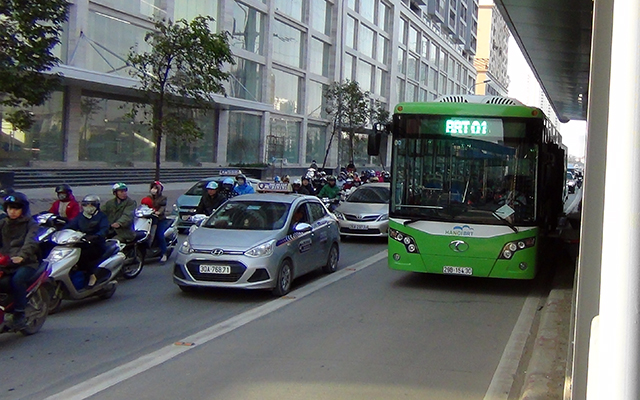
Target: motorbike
<point>145,245</point>
<point>67,282</point>
<point>331,204</point>
<point>37,300</point>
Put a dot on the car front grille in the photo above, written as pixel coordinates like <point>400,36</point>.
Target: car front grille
<point>356,218</point>
<point>237,269</point>
<point>360,231</point>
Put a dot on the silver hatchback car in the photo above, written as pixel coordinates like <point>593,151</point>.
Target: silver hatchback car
<point>259,241</point>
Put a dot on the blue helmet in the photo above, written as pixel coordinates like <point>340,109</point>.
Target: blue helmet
<point>17,200</point>
<point>211,185</point>
<point>228,181</point>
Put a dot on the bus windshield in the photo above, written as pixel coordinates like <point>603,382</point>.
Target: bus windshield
<point>457,169</point>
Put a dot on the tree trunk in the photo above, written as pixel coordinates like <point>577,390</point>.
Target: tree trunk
<point>157,132</point>
<point>326,154</point>
<point>351,135</point>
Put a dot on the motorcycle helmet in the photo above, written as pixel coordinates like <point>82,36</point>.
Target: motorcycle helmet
<point>93,200</point>
<point>17,200</point>
<point>64,188</point>
<point>157,184</point>
<point>119,186</point>
<point>331,178</point>
<point>297,182</point>
<point>211,185</point>
<point>241,176</point>
<point>228,181</point>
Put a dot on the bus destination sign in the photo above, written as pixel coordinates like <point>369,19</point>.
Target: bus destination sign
<point>466,127</point>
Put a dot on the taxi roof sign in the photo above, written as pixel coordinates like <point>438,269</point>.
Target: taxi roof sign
<point>273,187</point>
<point>230,172</point>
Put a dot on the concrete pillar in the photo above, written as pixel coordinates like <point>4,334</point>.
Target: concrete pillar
<point>223,137</point>
<point>73,125</point>
<point>619,324</point>
<point>589,267</point>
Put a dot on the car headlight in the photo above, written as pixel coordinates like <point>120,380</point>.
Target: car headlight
<point>58,254</point>
<point>383,217</point>
<point>261,250</point>
<point>186,248</point>
<point>339,215</point>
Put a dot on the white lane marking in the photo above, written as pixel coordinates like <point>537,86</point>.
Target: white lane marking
<point>119,374</point>
<point>505,374</point>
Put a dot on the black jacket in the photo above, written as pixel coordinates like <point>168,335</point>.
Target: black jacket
<point>18,239</point>
<point>209,204</point>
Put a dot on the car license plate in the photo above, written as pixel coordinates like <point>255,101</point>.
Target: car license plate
<point>457,270</point>
<point>360,227</point>
<point>215,269</point>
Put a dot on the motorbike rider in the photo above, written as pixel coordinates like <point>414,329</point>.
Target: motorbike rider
<point>95,225</point>
<point>243,187</point>
<point>330,190</point>
<point>119,211</point>
<point>66,206</point>
<point>159,204</point>
<point>210,200</point>
<point>227,188</point>
<point>298,188</point>
<point>306,183</point>
<point>17,240</point>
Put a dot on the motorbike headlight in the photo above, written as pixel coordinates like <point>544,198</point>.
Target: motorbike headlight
<point>383,217</point>
<point>261,250</point>
<point>339,215</point>
<point>58,254</point>
<point>186,248</point>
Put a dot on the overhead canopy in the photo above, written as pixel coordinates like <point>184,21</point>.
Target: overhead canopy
<point>555,38</point>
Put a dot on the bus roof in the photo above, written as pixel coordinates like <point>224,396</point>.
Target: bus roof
<point>469,109</point>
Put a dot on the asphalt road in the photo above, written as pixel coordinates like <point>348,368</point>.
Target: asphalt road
<point>373,333</point>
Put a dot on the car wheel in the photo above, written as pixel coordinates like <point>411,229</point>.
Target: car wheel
<point>285,277</point>
<point>332,260</point>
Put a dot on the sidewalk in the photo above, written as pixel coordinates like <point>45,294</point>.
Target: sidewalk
<point>547,367</point>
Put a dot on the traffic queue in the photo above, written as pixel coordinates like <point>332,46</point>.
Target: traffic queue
<point>242,233</point>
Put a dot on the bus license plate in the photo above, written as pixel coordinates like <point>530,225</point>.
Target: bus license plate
<point>457,270</point>
<point>360,227</point>
<point>215,269</point>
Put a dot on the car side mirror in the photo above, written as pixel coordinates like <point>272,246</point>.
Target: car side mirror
<point>197,219</point>
<point>302,227</point>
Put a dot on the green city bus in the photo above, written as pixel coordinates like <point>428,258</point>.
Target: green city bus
<point>476,182</point>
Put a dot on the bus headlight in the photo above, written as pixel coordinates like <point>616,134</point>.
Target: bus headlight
<point>408,241</point>
<point>511,248</point>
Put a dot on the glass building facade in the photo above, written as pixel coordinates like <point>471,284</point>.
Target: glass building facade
<point>287,53</point>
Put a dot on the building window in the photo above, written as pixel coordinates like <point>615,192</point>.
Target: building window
<point>399,90</point>
<point>284,141</point>
<point>433,54</point>
<point>110,135</point>
<point>380,87</point>
<point>411,92</point>
<point>367,9</point>
<point>413,39</point>
<point>365,41</point>
<point>364,75</point>
<point>382,49</point>
<point>383,16</point>
<point>246,80</point>
<point>292,8</point>
<point>320,16</point>
<point>319,57</point>
<point>316,102</point>
<point>401,65</point>
<point>424,71</point>
<point>148,8</point>
<point>244,138</point>
<point>189,9</point>
<point>247,28</point>
<point>348,67</point>
<point>114,38</point>
<point>402,29</point>
<point>351,32</point>
<point>316,143</point>
<point>286,92</point>
<point>412,66</point>
<point>424,47</point>
<point>199,151</point>
<point>287,44</point>
<point>44,141</point>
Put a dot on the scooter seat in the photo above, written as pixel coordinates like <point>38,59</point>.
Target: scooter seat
<point>111,249</point>
<point>140,235</point>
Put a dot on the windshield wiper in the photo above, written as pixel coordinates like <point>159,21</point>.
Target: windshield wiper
<point>506,221</point>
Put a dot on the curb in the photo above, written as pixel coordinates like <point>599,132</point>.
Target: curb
<point>545,374</point>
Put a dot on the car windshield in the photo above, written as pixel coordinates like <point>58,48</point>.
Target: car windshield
<point>197,189</point>
<point>378,195</point>
<point>249,215</point>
